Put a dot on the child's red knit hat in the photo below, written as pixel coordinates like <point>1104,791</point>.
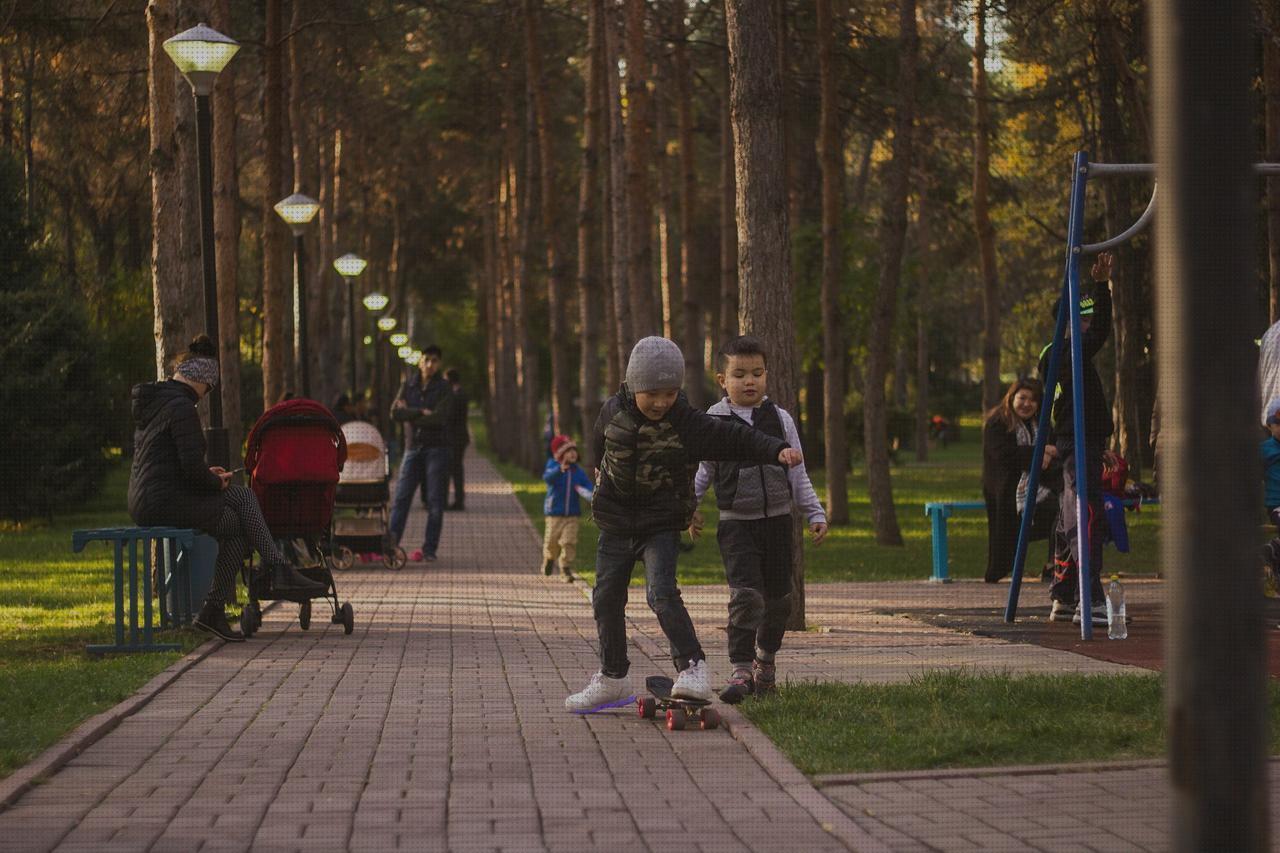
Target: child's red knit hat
<point>560,445</point>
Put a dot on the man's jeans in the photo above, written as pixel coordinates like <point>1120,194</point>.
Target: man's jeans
<point>1066,575</point>
<point>616,557</point>
<point>428,467</point>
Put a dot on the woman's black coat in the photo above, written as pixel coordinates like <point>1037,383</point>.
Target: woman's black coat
<point>1003,462</point>
<point>170,484</point>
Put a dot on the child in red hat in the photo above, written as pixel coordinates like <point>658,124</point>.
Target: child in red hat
<point>566,482</point>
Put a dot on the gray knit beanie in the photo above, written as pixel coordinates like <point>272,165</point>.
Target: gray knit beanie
<point>655,363</point>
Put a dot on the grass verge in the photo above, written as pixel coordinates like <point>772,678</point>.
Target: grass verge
<point>949,719</point>
<point>850,552</point>
<point>52,603</point>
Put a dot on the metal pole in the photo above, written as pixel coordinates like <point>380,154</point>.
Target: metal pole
<point>351,333</point>
<point>377,377</point>
<point>1084,539</point>
<point>216,441</point>
<point>300,351</point>
<point>1205,275</point>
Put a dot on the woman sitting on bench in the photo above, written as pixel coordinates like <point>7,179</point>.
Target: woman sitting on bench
<point>170,484</point>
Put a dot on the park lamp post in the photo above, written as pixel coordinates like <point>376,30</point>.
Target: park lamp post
<point>349,266</point>
<point>298,211</point>
<point>373,303</point>
<point>200,54</point>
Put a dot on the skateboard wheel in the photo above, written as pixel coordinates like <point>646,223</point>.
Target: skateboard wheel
<point>676,719</point>
<point>647,707</point>
<point>710,719</point>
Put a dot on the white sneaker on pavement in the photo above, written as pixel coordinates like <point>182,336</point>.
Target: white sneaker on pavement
<point>694,682</point>
<point>1099,615</point>
<point>601,693</point>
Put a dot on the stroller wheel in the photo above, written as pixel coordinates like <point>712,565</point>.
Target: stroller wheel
<point>348,618</point>
<point>249,620</point>
<point>344,558</point>
<point>395,559</point>
<point>304,615</point>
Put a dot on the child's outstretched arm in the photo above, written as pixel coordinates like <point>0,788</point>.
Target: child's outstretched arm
<point>709,438</point>
<point>801,486</point>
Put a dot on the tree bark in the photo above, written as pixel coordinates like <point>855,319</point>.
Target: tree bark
<point>764,244</point>
<point>922,332</point>
<point>1271,86</point>
<point>668,212</point>
<point>893,231</point>
<point>985,233</point>
<point>28,132</point>
<point>557,265</point>
<point>589,236</point>
<point>692,342</point>
<point>728,219</point>
<point>170,293</point>
<point>833,342</point>
<point>639,204</point>
<point>226,236</point>
<point>618,207</point>
<point>273,290</point>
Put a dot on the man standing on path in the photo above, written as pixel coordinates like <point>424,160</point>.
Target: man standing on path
<point>459,438</point>
<point>425,403</point>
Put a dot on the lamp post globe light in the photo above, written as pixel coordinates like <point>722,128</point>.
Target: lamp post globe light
<point>350,266</point>
<point>200,53</point>
<point>298,211</point>
<point>399,339</point>
<point>373,303</point>
<point>386,324</point>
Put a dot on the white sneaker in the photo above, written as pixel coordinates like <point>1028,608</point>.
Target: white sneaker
<point>1099,615</point>
<point>694,682</point>
<point>601,692</point>
<point>1061,611</point>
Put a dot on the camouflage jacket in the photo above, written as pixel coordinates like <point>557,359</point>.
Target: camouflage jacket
<point>644,481</point>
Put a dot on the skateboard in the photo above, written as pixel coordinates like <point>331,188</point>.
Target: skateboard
<point>679,712</point>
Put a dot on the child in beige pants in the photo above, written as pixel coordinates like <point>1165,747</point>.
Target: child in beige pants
<point>566,483</point>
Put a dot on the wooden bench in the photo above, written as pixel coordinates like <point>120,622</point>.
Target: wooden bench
<point>172,541</point>
<point>940,511</point>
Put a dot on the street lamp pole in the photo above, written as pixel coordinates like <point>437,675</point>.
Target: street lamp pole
<point>200,54</point>
<point>349,266</point>
<point>298,210</point>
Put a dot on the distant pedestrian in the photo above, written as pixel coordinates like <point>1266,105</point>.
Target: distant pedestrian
<point>652,440</point>
<point>343,411</point>
<point>754,532</point>
<point>459,438</point>
<point>566,483</point>
<point>424,402</point>
<point>1008,441</point>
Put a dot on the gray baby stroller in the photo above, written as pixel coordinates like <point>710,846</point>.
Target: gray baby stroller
<point>361,519</point>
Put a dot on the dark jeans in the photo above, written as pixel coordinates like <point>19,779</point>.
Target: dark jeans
<point>428,467</point>
<point>456,474</point>
<point>616,558</point>
<point>757,564</point>
<point>1066,575</point>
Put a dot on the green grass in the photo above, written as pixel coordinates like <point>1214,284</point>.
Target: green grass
<point>948,719</point>
<point>850,552</point>
<point>52,603</point>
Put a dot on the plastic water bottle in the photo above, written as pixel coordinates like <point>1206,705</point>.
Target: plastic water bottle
<point>1117,628</point>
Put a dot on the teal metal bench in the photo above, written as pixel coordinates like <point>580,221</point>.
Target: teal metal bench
<point>172,540</point>
<point>940,511</point>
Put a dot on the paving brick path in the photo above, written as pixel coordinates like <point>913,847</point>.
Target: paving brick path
<point>438,725</point>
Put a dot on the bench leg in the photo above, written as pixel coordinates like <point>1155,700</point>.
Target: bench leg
<point>941,556</point>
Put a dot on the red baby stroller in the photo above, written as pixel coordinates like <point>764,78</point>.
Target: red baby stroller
<point>295,453</point>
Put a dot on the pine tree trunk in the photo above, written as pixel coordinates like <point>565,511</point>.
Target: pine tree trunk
<point>589,236</point>
<point>922,335</point>
<point>1271,87</point>
<point>625,332</point>
<point>226,236</point>
<point>982,213</point>
<point>893,232</point>
<point>668,212</point>
<point>728,326</point>
<point>492,313</point>
<point>644,319</point>
<point>170,291</point>
<point>692,341</point>
<point>6,98</point>
<point>557,265</point>
<point>273,236</point>
<point>833,342</point>
<point>764,243</point>
<point>526,352</point>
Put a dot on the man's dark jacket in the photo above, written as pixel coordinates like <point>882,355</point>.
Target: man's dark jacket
<point>170,483</point>
<point>458,434</point>
<point>436,397</point>
<point>645,479</point>
<point>1097,411</point>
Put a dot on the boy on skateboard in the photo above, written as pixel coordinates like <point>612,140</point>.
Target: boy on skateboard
<point>652,441</point>
<point>754,532</point>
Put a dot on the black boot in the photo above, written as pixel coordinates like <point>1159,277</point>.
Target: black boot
<point>212,620</point>
<point>285,578</point>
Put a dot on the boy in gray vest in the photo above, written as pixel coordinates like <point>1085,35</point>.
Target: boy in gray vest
<point>754,532</point>
<point>651,442</point>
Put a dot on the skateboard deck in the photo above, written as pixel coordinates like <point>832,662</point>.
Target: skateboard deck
<point>679,712</point>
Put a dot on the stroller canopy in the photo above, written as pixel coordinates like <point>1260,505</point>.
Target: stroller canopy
<point>366,454</point>
<point>297,441</point>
